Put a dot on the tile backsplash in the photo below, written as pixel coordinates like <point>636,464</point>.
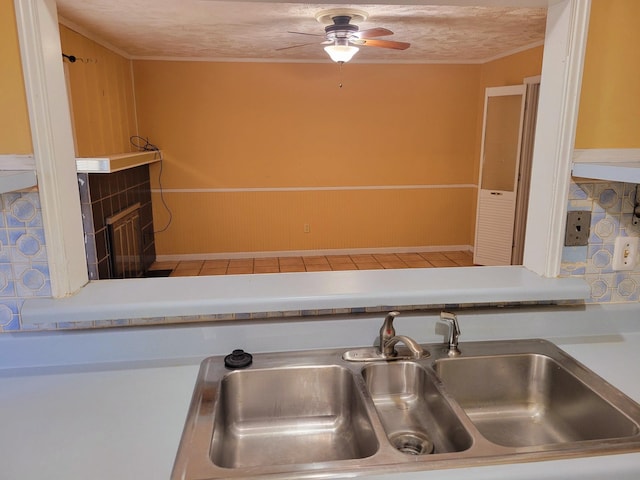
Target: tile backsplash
<point>611,205</point>
<point>24,271</point>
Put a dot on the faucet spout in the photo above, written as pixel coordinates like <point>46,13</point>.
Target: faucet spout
<point>416,350</point>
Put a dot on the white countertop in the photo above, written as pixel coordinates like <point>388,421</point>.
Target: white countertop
<point>286,292</point>
<point>110,405</point>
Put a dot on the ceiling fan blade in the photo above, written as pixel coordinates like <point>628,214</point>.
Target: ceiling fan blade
<point>296,46</point>
<point>383,44</point>
<point>374,32</point>
<point>310,34</point>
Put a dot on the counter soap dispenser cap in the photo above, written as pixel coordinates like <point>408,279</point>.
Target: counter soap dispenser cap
<point>238,359</point>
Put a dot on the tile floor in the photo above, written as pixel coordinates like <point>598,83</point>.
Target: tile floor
<point>316,263</point>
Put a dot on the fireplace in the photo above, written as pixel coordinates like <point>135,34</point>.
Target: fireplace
<point>107,200</point>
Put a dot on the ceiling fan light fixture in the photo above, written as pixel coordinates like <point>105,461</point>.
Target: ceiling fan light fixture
<point>341,53</point>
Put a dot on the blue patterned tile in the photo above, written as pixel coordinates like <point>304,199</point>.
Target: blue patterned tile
<point>5,249</point>
<point>577,191</point>
<point>27,247</point>
<point>9,318</point>
<point>23,210</point>
<point>609,199</point>
<point>574,254</point>
<point>599,290</point>
<point>7,283</point>
<point>32,280</point>
<point>605,230</point>
<point>599,258</point>
<point>627,290</point>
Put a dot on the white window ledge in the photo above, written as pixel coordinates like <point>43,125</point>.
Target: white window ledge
<point>17,180</point>
<point>298,292</point>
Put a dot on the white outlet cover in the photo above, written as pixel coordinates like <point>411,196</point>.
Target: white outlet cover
<point>625,253</point>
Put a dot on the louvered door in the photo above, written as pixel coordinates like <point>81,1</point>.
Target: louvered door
<point>500,154</point>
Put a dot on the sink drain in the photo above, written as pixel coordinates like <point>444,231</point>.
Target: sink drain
<point>412,443</point>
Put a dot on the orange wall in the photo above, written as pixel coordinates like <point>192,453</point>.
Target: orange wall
<point>274,125</point>
<point>101,86</point>
<point>511,70</point>
<point>225,125</point>
<point>15,132</point>
<point>609,114</point>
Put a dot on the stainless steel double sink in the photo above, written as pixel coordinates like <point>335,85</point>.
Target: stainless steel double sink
<point>310,414</point>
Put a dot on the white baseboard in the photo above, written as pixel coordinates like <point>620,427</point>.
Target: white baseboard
<point>309,253</point>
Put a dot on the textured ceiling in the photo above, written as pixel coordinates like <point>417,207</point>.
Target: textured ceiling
<point>242,30</point>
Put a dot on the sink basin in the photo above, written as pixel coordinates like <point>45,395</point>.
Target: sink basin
<point>415,416</point>
<point>290,415</point>
<point>530,399</point>
<point>314,414</point>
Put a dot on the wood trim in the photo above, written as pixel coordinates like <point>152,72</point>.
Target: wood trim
<point>52,144</point>
<point>565,45</point>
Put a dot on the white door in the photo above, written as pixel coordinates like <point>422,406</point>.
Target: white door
<point>500,158</point>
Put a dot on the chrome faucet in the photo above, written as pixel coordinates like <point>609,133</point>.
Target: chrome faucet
<point>389,339</point>
<point>454,332</point>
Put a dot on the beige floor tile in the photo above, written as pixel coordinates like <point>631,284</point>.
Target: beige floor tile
<point>363,258</point>
<point>239,270</point>
<point>190,265</point>
<point>318,267</point>
<point>290,261</point>
<point>369,266</point>
<point>185,273</point>
<point>343,266</point>
<point>418,264</point>
<point>393,264</point>
<point>213,271</point>
<point>458,255</point>
<point>433,256</point>
<point>292,268</point>
<point>338,259</point>
<point>266,262</point>
<point>386,257</point>
<point>216,263</point>
<point>266,269</point>
<point>166,265</point>
<point>464,262</point>
<point>443,263</point>
<point>315,260</point>
<point>241,262</point>
<point>408,257</point>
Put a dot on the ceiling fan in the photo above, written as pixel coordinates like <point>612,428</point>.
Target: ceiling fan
<point>343,37</point>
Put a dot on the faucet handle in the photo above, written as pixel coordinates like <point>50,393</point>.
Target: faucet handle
<point>387,330</point>
<point>454,332</point>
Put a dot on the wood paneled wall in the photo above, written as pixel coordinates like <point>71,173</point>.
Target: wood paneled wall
<point>103,107</point>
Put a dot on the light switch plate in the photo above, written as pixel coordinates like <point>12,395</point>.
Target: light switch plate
<point>625,253</point>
